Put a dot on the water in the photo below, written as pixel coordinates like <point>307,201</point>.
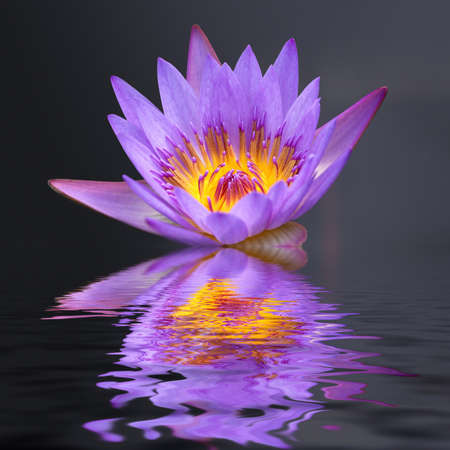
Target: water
<point>219,349</point>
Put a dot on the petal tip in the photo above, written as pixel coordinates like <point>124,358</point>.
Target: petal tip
<point>196,28</point>
<point>57,184</point>
<point>52,183</point>
<point>383,92</point>
<point>115,80</point>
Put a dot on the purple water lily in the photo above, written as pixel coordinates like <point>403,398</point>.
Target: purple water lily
<point>235,153</point>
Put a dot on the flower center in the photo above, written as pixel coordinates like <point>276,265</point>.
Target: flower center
<point>233,186</point>
<point>218,176</point>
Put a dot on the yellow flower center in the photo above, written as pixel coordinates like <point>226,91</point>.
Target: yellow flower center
<point>218,176</point>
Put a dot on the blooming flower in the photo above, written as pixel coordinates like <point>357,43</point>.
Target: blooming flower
<point>235,152</point>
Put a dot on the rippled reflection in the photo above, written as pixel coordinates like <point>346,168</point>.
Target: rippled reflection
<point>231,345</point>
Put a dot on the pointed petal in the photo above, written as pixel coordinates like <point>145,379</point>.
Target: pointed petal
<point>248,73</point>
<point>122,126</point>
<point>277,195</point>
<point>126,96</point>
<point>155,125</point>
<point>114,199</point>
<point>321,184</point>
<point>255,210</point>
<point>300,186</point>
<point>142,113</point>
<point>286,68</point>
<point>199,49</point>
<point>306,129</point>
<point>144,192</point>
<point>180,103</point>
<point>207,83</point>
<point>300,108</point>
<point>269,103</point>
<point>138,153</point>
<point>227,228</point>
<point>194,209</point>
<point>225,104</point>
<point>350,125</point>
<point>177,233</point>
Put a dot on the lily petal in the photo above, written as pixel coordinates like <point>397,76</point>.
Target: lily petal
<point>140,111</point>
<point>224,105</point>
<point>301,184</point>
<point>321,184</point>
<point>248,72</point>
<point>227,228</point>
<point>350,125</point>
<point>138,153</point>
<point>255,210</point>
<point>280,246</point>
<point>286,68</point>
<point>126,96</point>
<point>179,101</point>
<point>194,209</point>
<point>277,195</point>
<point>300,108</point>
<point>122,126</point>
<point>199,49</point>
<point>112,198</point>
<point>269,102</point>
<point>178,234</point>
<point>143,191</point>
<point>306,128</point>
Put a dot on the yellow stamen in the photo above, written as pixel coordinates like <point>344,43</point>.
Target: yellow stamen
<point>210,170</point>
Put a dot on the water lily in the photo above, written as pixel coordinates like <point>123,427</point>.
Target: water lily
<point>235,152</point>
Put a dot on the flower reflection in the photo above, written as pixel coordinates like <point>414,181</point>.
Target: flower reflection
<point>231,347</point>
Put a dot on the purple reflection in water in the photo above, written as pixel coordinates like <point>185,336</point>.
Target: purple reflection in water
<point>246,338</point>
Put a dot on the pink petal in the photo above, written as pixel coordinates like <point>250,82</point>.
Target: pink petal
<point>227,228</point>
<point>199,49</point>
<point>350,125</point>
<point>114,199</point>
<point>255,210</point>
<point>177,233</point>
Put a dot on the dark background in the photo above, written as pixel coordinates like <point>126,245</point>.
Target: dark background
<point>60,55</point>
<point>380,237</point>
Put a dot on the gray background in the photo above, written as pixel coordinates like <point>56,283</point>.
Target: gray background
<point>60,56</point>
<point>379,239</point>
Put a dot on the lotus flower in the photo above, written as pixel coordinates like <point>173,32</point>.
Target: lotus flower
<point>234,153</point>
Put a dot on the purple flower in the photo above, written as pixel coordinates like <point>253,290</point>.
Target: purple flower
<point>235,152</point>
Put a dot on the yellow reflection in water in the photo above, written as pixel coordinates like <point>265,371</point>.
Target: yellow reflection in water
<point>217,324</point>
